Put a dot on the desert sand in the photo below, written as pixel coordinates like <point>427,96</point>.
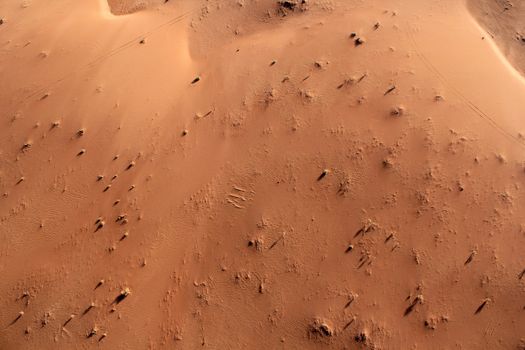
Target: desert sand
<point>255,174</point>
<point>504,22</point>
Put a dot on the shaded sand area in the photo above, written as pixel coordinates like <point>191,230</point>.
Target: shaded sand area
<point>504,21</point>
<point>255,175</point>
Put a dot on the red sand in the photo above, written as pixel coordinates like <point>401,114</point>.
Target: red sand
<point>306,192</point>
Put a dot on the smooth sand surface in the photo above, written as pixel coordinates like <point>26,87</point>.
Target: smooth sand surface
<point>245,174</point>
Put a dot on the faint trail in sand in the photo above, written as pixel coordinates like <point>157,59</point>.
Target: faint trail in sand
<point>477,110</point>
<point>111,53</point>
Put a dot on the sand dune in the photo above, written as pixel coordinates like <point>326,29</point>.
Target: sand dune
<point>261,175</point>
<point>504,22</point>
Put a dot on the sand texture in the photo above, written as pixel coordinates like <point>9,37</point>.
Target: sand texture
<point>262,174</point>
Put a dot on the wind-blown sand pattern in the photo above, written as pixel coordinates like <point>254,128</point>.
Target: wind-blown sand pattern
<point>261,174</point>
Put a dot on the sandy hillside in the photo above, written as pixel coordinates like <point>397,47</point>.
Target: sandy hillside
<point>248,174</point>
<point>504,21</point>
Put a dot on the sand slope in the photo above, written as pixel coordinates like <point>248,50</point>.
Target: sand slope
<point>504,22</point>
<point>304,192</point>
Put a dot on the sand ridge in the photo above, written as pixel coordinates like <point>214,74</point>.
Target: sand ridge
<point>503,21</point>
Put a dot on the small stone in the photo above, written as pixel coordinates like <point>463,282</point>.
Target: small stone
<point>27,145</point>
<point>323,174</point>
<point>93,332</point>
<point>320,329</point>
<point>130,165</point>
<point>387,163</point>
<point>359,41</point>
<point>196,80</point>
<point>397,111</point>
<point>361,337</point>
